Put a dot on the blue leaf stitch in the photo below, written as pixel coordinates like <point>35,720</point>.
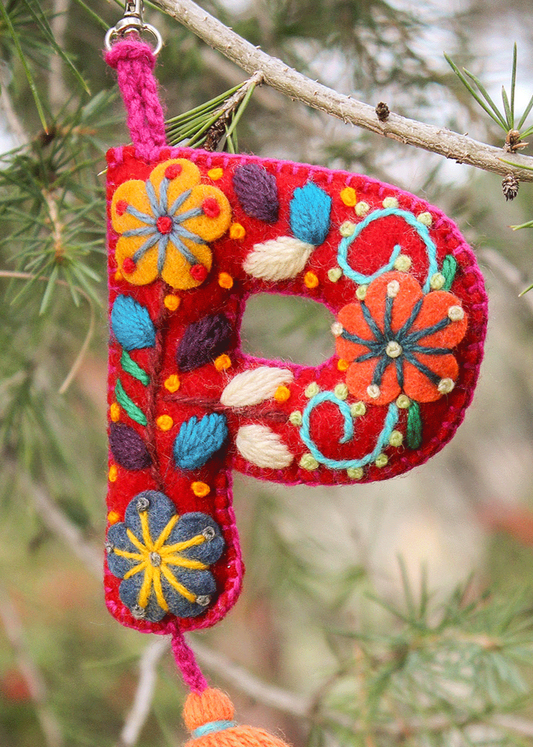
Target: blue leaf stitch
<point>310,214</point>
<point>197,441</point>
<point>131,324</point>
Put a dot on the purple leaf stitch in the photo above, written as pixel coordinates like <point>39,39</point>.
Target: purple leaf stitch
<point>203,341</point>
<point>257,191</point>
<point>127,447</point>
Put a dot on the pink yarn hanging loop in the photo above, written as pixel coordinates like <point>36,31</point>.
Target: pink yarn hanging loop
<point>134,62</point>
<point>186,662</point>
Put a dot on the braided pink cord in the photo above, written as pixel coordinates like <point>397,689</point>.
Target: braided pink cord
<point>134,62</point>
<point>187,664</point>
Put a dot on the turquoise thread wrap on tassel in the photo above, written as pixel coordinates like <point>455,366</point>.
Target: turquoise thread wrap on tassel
<point>212,727</point>
<point>383,440</point>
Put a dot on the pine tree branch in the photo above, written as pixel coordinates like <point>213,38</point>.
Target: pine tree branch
<point>288,81</point>
<point>283,700</point>
<point>13,122</point>
<point>90,332</point>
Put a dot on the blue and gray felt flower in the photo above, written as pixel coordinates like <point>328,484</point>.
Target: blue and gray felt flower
<point>163,558</point>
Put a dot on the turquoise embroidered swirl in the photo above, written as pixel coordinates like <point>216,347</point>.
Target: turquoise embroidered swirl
<point>383,440</point>
<point>392,416</point>
<point>421,230</point>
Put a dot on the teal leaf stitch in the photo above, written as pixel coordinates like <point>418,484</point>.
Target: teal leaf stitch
<point>414,427</point>
<point>197,441</point>
<point>128,405</point>
<point>131,324</point>
<point>449,268</point>
<point>133,368</point>
<point>310,214</point>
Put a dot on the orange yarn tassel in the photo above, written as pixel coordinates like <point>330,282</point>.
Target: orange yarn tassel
<point>209,717</point>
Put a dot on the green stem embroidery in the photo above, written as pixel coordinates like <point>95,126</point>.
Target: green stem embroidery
<point>133,369</point>
<point>128,405</point>
<point>414,426</point>
<point>449,268</point>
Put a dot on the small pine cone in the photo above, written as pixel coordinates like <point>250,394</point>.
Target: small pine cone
<point>382,111</point>
<point>215,134</point>
<point>510,186</point>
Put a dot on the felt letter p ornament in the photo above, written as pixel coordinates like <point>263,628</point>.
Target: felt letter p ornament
<point>191,236</point>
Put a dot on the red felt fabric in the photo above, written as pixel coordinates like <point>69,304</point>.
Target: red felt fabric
<point>200,389</point>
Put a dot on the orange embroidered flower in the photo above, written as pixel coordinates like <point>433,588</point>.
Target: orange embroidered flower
<point>165,224</point>
<point>399,339</point>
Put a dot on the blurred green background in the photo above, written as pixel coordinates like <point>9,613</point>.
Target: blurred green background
<point>400,612</point>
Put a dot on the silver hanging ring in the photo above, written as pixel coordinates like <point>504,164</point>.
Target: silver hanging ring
<point>127,26</point>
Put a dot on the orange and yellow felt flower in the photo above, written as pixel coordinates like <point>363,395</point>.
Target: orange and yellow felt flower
<point>400,340</point>
<point>165,224</point>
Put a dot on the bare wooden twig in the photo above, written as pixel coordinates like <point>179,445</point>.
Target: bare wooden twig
<point>57,90</point>
<point>58,523</point>
<point>288,81</point>
<point>270,695</point>
<point>144,695</point>
<point>29,670</point>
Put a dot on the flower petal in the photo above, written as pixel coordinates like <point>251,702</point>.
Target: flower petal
<point>434,309</point>
<point>118,538</point>
<point>207,227</point>
<point>407,293</point>
<point>199,583</point>
<point>145,271</point>
<point>418,386</point>
<point>177,270</point>
<point>159,508</point>
<point>133,194</point>
<point>187,177</point>
<point>129,595</point>
<point>192,525</point>
<point>360,375</point>
<point>352,319</point>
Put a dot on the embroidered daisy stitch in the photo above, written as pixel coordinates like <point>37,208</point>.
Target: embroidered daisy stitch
<point>163,558</point>
<point>165,224</point>
<point>400,340</point>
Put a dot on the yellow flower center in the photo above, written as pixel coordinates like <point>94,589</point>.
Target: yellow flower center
<point>155,559</point>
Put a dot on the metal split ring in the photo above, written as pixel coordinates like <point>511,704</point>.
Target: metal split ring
<point>127,26</point>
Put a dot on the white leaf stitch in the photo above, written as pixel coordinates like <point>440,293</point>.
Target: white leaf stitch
<point>252,387</point>
<point>259,445</point>
<point>278,259</point>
